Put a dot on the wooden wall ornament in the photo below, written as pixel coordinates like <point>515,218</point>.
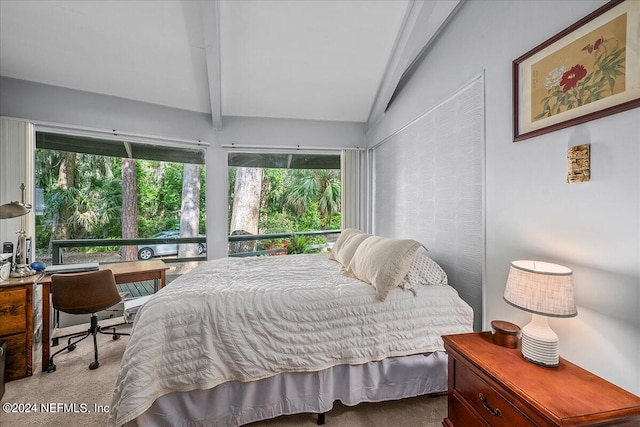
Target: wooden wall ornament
<point>579,163</point>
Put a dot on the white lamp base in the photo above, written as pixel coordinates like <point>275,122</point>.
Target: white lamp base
<point>540,345</point>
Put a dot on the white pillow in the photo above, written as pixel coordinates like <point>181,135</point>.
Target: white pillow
<point>383,263</point>
<point>346,245</point>
<point>424,271</point>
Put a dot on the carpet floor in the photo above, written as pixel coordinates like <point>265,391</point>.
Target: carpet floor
<point>75,396</point>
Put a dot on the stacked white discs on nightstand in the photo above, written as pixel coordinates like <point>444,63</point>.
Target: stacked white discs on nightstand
<point>544,353</point>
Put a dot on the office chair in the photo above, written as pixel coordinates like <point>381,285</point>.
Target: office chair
<point>84,293</point>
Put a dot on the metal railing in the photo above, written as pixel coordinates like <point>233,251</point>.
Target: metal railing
<point>58,245</point>
<point>250,237</point>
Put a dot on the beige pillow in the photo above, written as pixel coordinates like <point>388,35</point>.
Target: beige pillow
<point>346,245</point>
<point>383,262</point>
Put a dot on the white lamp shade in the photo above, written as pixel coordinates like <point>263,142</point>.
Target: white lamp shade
<point>541,288</point>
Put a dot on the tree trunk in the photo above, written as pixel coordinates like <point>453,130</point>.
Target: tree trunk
<point>66,180</point>
<point>160,171</point>
<point>246,208</point>
<point>129,208</point>
<point>190,215</point>
<point>264,203</point>
<point>108,173</point>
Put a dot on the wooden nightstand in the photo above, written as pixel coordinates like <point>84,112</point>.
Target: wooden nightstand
<point>16,326</point>
<point>490,385</point>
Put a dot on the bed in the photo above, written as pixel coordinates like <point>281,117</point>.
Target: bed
<point>239,340</point>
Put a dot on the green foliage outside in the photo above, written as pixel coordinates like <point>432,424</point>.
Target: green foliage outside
<point>95,200</point>
<point>296,200</point>
<point>292,200</point>
<point>298,244</point>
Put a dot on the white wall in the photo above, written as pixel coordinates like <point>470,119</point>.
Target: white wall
<point>269,132</point>
<point>531,212</point>
<point>45,103</point>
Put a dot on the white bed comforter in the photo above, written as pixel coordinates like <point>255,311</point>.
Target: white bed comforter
<point>247,319</point>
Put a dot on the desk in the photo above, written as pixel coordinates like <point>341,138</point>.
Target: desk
<point>124,272</point>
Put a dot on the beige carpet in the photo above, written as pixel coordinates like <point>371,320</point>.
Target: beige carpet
<point>87,395</point>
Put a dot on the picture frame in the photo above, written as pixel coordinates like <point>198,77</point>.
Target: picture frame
<point>587,71</point>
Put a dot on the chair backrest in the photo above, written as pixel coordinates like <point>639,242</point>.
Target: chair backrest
<point>84,293</point>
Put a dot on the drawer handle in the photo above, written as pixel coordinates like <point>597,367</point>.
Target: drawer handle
<point>495,412</point>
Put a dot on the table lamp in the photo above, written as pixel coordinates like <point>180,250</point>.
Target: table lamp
<point>545,290</point>
<point>14,210</point>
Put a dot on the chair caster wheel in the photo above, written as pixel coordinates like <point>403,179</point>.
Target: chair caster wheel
<point>115,337</point>
<point>51,368</point>
<point>94,365</point>
<point>71,347</point>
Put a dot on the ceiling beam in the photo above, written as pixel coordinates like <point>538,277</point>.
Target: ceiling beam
<point>423,22</point>
<point>211,32</point>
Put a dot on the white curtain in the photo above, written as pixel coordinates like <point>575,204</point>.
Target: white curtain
<point>350,167</point>
<point>17,148</point>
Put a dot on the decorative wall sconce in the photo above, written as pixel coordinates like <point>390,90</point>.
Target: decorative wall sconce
<point>579,163</point>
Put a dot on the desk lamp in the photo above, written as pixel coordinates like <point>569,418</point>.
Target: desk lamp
<point>545,290</point>
<point>14,210</point>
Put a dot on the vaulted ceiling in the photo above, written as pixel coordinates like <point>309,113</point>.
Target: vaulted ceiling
<point>321,60</point>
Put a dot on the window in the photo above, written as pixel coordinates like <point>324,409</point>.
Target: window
<point>105,189</point>
<point>283,193</point>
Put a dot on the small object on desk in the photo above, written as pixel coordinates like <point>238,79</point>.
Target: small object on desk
<point>505,334</point>
<point>5,268</point>
<point>38,266</point>
<point>7,251</point>
<point>72,268</point>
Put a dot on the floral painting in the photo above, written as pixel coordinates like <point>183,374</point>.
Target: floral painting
<point>586,70</point>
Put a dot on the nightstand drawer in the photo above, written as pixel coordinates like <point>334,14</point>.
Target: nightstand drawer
<point>461,414</point>
<point>485,377</point>
<point>486,401</point>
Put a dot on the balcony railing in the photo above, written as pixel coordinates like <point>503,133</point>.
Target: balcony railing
<point>274,236</point>
<point>58,245</point>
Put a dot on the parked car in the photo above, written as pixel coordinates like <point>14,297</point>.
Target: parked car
<point>161,249</point>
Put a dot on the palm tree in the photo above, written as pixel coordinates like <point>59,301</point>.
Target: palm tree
<point>307,186</point>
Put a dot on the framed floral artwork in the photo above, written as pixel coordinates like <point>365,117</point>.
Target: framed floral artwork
<point>588,71</point>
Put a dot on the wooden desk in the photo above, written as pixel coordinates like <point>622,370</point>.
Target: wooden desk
<point>124,272</point>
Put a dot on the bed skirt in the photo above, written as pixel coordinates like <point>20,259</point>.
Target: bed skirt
<point>236,403</point>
